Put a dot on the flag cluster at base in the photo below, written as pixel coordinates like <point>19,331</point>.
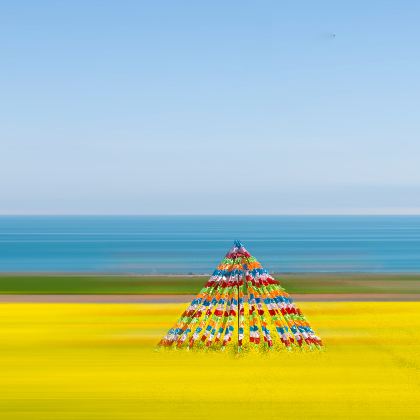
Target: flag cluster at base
<point>241,296</point>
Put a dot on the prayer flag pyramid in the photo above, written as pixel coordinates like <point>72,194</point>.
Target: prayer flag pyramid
<point>241,304</point>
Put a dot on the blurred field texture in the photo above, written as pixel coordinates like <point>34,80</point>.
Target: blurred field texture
<point>293,283</point>
<point>98,361</point>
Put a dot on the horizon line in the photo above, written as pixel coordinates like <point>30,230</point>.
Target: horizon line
<point>200,214</point>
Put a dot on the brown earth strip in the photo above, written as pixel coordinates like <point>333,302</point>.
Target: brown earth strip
<point>324,297</point>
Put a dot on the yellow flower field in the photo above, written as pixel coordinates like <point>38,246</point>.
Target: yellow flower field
<point>98,361</point>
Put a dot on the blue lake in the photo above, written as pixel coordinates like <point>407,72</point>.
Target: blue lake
<point>195,244</point>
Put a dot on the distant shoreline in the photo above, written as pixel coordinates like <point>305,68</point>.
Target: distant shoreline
<point>183,275</point>
<point>86,298</point>
<point>134,284</point>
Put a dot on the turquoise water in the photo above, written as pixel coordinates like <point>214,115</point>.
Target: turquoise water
<point>195,244</point>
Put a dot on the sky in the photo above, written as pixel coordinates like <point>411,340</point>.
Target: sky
<point>187,107</point>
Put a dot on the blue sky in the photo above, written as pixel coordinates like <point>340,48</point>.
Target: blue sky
<point>236,107</point>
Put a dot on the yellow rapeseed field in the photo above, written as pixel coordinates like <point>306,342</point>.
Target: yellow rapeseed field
<point>98,361</point>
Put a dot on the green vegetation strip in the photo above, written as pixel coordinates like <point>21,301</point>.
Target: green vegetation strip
<point>293,283</point>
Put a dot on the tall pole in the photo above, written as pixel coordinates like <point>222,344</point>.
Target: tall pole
<point>238,313</point>
<point>240,276</point>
